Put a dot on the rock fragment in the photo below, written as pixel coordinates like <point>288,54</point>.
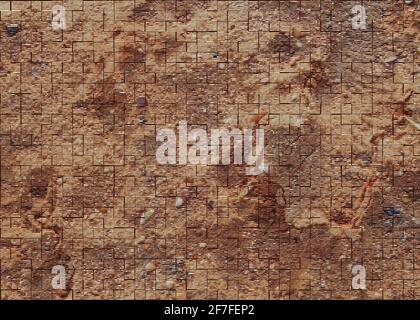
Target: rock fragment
<point>142,101</point>
<point>297,33</point>
<point>79,104</point>
<point>150,267</point>
<point>142,120</point>
<point>391,59</point>
<point>169,284</point>
<point>12,29</point>
<point>178,202</point>
<point>390,212</point>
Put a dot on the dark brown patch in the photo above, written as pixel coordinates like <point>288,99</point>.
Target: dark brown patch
<point>168,47</point>
<point>141,101</point>
<point>281,43</point>
<point>185,10</point>
<point>39,191</point>
<point>130,54</point>
<point>263,206</point>
<point>39,180</point>
<point>341,218</point>
<point>317,78</point>
<point>144,11</point>
<point>106,101</point>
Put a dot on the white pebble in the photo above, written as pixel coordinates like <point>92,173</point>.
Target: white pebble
<point>178,202</point>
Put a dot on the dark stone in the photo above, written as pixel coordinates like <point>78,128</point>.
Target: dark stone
<point>79,104</point>
<point>210,205</point>
<point>215,55</point>
<point>390,212</point>
<point>12,29</point>
<point>142,101</point>
<point>39,191</point>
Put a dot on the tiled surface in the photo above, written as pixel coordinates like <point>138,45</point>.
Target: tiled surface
<point>81,187</point>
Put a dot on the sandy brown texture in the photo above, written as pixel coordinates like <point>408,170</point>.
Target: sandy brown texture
<point>81,186</point>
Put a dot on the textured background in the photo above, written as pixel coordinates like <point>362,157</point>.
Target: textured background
<point>81,187</point>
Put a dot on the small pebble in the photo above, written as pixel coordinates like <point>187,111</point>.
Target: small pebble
<point>142,101</point>
<point>210,205</point>
<point>169,284</point>
<point>178,202</point>
<point>79,104</point>
<point>150,267</point>
<point>146,216</point>
<point>12,29</point>
<point>202,244</point>
<point>328,25</point>
<point>264,168</point>
<point>392,211</point>
<point>391,59</point>
<point>142,120</point>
